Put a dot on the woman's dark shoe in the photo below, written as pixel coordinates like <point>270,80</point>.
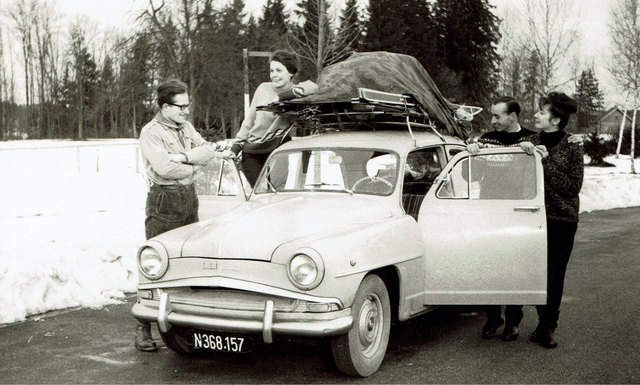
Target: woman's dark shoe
<point>491,327</point>
<point>510,333</point>
<point>144,341</point>
<point>545,338</point>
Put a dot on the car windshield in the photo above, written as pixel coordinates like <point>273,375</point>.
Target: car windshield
<point>358,171</point>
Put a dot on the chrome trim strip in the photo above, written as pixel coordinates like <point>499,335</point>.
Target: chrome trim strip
<point>232,283</point>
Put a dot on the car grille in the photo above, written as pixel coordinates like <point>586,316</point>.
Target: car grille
<point>231,299</point>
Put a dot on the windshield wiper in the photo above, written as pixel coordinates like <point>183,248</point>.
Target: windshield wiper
<point>330,184</point>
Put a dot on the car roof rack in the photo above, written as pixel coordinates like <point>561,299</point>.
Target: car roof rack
<point>364,112</point>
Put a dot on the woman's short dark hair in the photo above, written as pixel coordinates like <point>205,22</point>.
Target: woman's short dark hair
<point>560,106</point>
<point>168,89</point>
<point>510,102</point>
<point>287,58</point>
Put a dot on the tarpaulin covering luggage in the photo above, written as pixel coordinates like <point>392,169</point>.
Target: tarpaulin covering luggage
<point>388,72</point>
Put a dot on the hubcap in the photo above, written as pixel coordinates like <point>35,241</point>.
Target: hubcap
<point>370,324</point>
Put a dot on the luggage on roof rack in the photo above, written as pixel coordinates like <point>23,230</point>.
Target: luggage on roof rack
<point>376,86</point>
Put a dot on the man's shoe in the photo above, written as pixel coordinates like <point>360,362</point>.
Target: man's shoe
<point>491,327</point>
<point>545,338</point>
<point>144,342</point>
<point>510,333</point>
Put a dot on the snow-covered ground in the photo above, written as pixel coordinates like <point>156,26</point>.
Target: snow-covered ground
<point>72,218</point>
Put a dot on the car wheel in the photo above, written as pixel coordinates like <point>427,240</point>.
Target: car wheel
<point>175,340</point>
<point>360,352</point>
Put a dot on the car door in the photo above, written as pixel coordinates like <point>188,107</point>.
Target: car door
<point>484,230</point>
<point>220,187</point>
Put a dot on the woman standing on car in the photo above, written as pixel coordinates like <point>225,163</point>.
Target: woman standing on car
<point>262,131</point>
<point>563,165</point>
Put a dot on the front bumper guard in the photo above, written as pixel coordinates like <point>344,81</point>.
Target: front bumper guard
<point>165,316</point>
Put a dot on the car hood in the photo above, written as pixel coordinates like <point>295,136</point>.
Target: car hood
<point>255,230</point>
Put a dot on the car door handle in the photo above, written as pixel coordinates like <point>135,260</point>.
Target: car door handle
<point>532,209</point>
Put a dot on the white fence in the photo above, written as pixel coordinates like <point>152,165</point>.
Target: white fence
<point>93,156</point>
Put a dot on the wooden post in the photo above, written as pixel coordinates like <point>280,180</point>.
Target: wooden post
<point>245,63</point>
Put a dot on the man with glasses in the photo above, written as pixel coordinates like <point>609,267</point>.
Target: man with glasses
<point>171,151</point>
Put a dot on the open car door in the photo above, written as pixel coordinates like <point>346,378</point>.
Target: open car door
<point>220,187</point>
<point>484,230</point>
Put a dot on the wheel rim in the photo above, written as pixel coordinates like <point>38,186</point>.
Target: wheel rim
<point>370,325</point>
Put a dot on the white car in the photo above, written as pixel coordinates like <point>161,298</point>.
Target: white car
<point>344,232</point>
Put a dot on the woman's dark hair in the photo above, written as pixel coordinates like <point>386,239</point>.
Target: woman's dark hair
<point>560,106</point>
<point>170,88</point>
<point>287,59</point>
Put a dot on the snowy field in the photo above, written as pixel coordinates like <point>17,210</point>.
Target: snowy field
<point>72,218</point>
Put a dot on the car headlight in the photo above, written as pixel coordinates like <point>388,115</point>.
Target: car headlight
<point>152,261</point>
<point>306,269</point>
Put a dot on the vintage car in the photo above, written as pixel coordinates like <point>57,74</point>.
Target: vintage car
<point>345,231</point>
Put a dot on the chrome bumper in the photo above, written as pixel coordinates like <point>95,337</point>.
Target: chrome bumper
<point>166,316</point>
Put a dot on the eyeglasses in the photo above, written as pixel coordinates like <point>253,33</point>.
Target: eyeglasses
<point>182,107</point>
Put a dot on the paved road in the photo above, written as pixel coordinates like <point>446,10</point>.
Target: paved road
<point>599,336</point>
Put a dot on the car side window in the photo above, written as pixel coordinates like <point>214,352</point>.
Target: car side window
<point>216,178</point>
<point>491,176</point>
<point>421,169</point>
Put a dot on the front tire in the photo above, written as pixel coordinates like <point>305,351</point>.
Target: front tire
<point>360,352</point>
<point>176,341</point>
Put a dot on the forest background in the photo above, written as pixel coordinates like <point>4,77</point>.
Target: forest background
<point>73,80</point>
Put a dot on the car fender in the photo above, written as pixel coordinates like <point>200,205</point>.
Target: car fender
<point>349,255</point>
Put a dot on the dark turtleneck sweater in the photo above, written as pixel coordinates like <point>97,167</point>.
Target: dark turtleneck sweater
<point>551,139</point>
<point>563,175</point>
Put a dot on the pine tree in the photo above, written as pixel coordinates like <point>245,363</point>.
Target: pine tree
<point>469,36</point>
<point>271,27</point>
<point>590,100</point>
<point>531,88</point>
<point>352,28</point>
<point>313,40</point>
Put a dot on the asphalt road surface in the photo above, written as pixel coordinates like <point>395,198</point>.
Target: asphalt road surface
<point>599,337</point>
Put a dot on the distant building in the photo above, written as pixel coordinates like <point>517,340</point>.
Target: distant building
<point>609,123</point>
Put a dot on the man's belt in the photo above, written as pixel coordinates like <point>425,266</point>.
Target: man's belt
<point>173,186</point>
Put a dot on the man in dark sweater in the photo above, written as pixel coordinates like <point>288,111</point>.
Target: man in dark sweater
<point>507,131</point>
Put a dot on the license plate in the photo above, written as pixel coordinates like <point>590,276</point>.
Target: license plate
<point>221,342</point>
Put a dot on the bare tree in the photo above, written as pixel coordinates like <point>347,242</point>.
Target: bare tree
<point>178,43</point>
<point>510,49</point>
<point>22,12</point>
<point>43,34</point>
<point>551,35</point>
<point>318,40</point>
<point>625,64</point>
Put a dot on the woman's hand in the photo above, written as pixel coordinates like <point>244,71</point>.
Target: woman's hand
<point>542,150</point>
<point>528,147</point>
<point>227,154</point>
<point>576,139</point>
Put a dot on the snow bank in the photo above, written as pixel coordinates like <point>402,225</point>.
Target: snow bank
<point>72,220</point>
